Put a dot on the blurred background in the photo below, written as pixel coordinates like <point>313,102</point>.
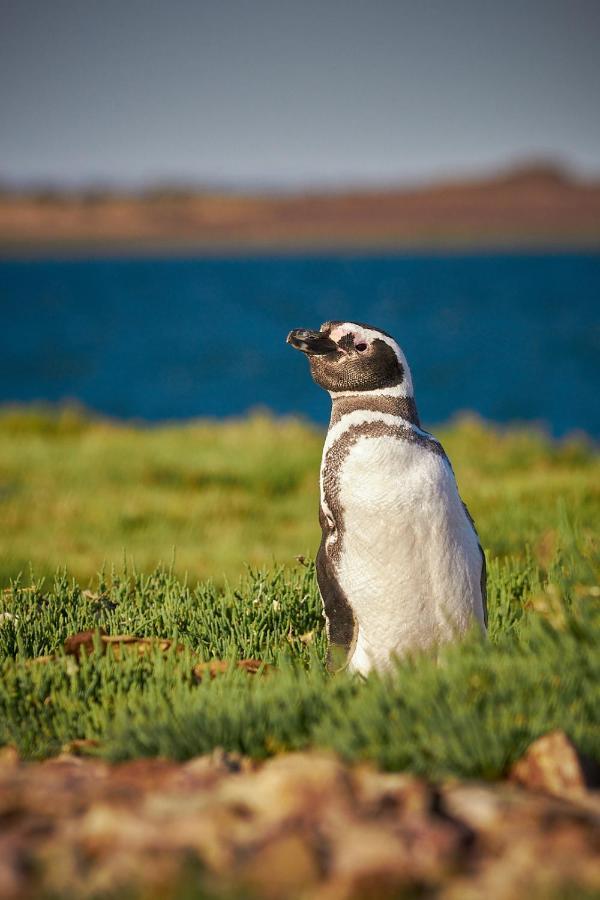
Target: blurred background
<point>182,183</point>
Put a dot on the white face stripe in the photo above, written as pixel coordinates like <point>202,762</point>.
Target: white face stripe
<point>399,390</point>
<point>368,335</point>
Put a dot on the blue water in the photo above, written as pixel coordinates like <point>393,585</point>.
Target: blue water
<point>513,337</point>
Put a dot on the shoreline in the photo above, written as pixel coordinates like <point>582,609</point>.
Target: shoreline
<point>66,250</point>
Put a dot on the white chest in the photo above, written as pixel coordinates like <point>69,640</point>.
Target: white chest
<point>408,561</point>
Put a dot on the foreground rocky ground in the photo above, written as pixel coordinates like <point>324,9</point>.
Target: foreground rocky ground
<point>300,825</point>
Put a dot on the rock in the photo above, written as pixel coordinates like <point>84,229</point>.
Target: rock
<point>84,640</point>
<point>390,793</point>
<point>298,787</point>
<point>553,764</point>
<point>219,666</point>
<point>9,757</point>
<point>97,640</point>
<point>282,867</point>
<point>481,806</point>
<point>119,643</point>
<point>80,746</point>
<point>302,825</point>
<point>13,868</point>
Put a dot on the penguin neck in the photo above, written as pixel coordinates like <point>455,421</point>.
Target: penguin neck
<point>403,407</point>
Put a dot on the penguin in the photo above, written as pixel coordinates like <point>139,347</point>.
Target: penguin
<point>400,567</point>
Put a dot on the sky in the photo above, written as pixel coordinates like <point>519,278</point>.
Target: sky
<point>308,92</point>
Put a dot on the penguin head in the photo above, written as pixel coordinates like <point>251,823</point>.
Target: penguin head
<point>349,357</point>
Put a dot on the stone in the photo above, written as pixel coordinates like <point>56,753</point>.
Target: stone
<point>301,825</point>
<point>281,867</point>
<point>553,764</point>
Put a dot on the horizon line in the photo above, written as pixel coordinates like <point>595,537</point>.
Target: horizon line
<point>549,166</point>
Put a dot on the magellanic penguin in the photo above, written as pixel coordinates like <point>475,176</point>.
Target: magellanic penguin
<point>400,567</point>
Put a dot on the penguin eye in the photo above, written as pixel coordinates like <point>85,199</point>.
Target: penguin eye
<point>360,347</point>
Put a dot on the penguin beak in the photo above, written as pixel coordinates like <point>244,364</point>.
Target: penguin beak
<point>313,343</point>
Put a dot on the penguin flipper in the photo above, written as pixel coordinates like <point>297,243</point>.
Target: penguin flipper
<point>341,624</point>
<point>484,586</point>
<point>483,577</point>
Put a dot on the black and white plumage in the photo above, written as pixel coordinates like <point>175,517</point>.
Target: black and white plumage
<point>400,566</point>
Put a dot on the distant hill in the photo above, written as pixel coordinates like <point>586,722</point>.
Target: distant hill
<point>537,204</point>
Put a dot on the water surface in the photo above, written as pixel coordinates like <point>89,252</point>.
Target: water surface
<point>511,336</point>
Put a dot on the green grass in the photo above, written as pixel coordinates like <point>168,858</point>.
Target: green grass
<point>215,497</point>
<point>67,483</point>
<point>471,715</point>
